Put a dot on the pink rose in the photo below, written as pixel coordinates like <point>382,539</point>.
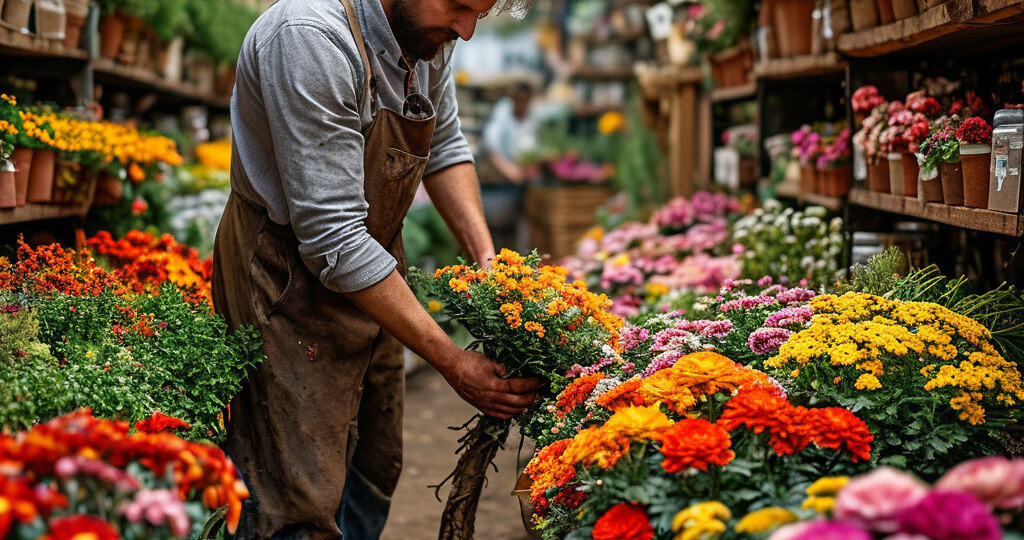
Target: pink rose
<point>876,499</point>
<point>996,481</point>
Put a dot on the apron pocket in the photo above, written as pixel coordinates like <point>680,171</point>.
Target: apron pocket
<point>271,271</point>
<point>401,175</point>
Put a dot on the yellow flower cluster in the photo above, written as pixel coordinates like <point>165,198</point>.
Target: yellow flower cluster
<point>215,155</point>
<point>764,520</point>
<point>882,337</point>
<point>821,495</point>
<point>700,521</point>
<point>113,142</point>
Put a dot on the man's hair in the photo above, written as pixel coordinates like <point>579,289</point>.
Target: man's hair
<point>516,8</point>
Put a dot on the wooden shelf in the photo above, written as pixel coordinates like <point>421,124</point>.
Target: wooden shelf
<point>792,191</point>
<point>602,74</point>
<point>958,216</point>
<point>134,76</point>
<point>36,212</point>
<point>954,27</point>
<point>800,66</point>
<point>14,43</point>
<point>734,93</point>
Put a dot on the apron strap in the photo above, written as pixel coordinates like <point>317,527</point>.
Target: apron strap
<point>357,34</point>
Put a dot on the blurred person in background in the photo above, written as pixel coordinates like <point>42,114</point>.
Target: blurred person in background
<point>340,108</point>
<point>510,132</point>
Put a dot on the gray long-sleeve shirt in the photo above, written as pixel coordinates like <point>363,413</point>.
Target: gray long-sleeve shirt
<point>297,114</point>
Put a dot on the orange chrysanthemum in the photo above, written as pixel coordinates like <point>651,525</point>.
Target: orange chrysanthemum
<point>705,373</point>
<point>666,387</point>
<point>836,427</point>
<point>576,393</point>
<point>695,443</point>
<point>623,395</point>
<point>605,444</point>
<point>547,470</point>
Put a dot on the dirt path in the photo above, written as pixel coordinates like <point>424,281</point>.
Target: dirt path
<point>430,407</point>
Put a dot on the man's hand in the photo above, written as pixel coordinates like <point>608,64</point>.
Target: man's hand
<point>478,380</point>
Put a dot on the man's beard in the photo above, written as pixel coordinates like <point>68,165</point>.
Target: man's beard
<point>416,41</point>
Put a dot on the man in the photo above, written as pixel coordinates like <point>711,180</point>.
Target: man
<point>340,108</point>
<point>510,132</point>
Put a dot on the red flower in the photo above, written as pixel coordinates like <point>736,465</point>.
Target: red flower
<point>161,422</point>
<point>836,427</point>
<point>81,527</point>
<point>928,106</point>
<point>139,206</point>
<point>622,396</point>
<point>624,522</point>
<point>865,99</point>
<point>974,130</point>
<point>695,443</point>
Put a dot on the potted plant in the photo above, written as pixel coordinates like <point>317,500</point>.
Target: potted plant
<point>20,156</point>
<point>895,145</point>
<point>806,148</point>
<point>975,137</point>
<point>36,133</point>
<point>171,23</point>
<point>863,101</point>
<point>719,30</point>
<point>868,141</point>
<point>792,22</point>
<point>134,45</point>
<point>8,194</point>
<point>915,132</point>
<point>834,161</point>
<point>941,176</point>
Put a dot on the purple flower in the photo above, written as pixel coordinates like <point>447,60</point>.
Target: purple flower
<point>789,316</point>
<point>950,515</point>
<point>664,360</point>
<point>767,340</point>
<point>631,336</point>
<point>876,499</point>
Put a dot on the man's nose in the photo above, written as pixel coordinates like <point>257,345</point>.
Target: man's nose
<point>465,25</point>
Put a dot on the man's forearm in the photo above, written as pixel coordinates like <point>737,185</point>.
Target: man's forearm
<point>455,192</point>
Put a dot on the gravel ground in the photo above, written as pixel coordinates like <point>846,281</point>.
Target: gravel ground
<point>430,407</point>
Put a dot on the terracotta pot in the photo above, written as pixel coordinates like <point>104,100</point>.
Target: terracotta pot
<point>732,68</point>
<point>112,29</point>
<point>911,170</point>
<point>929,186</point>
<point>878,176</point>
<point>820,181</point>
<point>885,12</point>
<point>109,190</point>
<point>73,31</point>
<point>901,9</point>
<point>16,13</point>
<point>837,182</point>
<point>22,158</point>
<point>952,177</point>
<point>8,197</point>
<point>863,14</point>
<point>131,43</point>
<point>792,21</point>
<point>895,173</point>
<point>976,161</point>
<point>40,180</point>
<point>807,179</point>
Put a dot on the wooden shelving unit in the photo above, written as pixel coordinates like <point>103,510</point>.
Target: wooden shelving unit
<point>14,43</point>
<point>734,93</point>
<point>956,25</point>
<point>800,66</point>
<point>106,70</point>
<point>835,204</point>
<point>601,74</point>
<point>38,212</point>
<point>977,219</point>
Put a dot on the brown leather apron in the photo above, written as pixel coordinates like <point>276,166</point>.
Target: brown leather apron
<point>331,376</point>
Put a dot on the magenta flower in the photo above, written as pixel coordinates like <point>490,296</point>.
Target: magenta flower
<point>631,337</point>
<point>831,530</point>
<point>768,340</point>
<point>748,302</point>
<point>795,295</point>
<point>950,515</point>
<point>875,500</point>
<point>995,481</point>
<point>789,316</point>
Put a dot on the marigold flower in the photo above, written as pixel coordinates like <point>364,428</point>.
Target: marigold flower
<point>623,522</point>
<point>576,393</point>
<point>694,443</point>
<point>701,520</point>
<point>764,520</point>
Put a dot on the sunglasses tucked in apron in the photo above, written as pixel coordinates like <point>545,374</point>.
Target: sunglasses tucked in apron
<point>331,376</point>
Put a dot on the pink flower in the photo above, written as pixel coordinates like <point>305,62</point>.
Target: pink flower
<point>876,499</point>
<point>995,481</point>
<point>767,340</point>
<point>789,316</point>
<point>950,515</point>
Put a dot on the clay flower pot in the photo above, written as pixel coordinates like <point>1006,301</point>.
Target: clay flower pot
<point>896,184</point>
<point>863,14</point>
<point>40,180</point>
<point>807,179</point>
<point>930,187</point>
<point>109,190</point>
<point>952,177</point>
<point>911,170</point>
<point>820,182</point>
<point>902,9</point>
<point>8,197</point>
<point>837,182</point>
<point>878,176</point>
<point>112,29</point>
<point>22,158</point>
<point>976,161</point>
<point>16,13</point>
<point>792,21</point>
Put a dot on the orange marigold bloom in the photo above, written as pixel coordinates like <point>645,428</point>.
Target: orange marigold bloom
<point>836,427</point>
<point>706,373</point>
<point>605,444</point>
<point>624,395</point>
<point>576,393</point>
<point>695,443</point>
<point>623,522</point>
<point>547,470</point>
<point>665,387</point>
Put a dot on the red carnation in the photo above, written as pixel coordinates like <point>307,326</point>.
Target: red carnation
<point>71,527</point>
<point>624,522</point>
<point>928,106</point>
<point>161,422</point>
<point>974,130</point>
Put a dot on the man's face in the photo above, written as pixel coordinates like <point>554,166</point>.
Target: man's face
<point>423,27</point>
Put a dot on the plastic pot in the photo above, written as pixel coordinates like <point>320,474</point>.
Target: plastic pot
<point>896,185</point>
<point>40,180</point>
<point>112,28</point>
<point>952,177</point>
<point>22,158</point>
<point>16,13</point>
<point>911,170</point>
<point>878,176</point>
<point>976,161</point>
<point>792,20</point>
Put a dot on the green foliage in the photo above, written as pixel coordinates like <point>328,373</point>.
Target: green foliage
<point>879,276</point>
<point>220,27</point>
<point>426,234</point>
<point>169,19</point>
<point>123,357</point>
<point>638,163</point>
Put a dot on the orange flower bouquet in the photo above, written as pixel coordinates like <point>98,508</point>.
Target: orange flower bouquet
<point>533,321</point>
<point>80,477</point>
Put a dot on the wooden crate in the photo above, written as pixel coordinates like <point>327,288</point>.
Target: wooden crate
<point>560,215</point>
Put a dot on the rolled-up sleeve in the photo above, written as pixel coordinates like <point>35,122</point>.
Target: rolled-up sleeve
<point>309,90</point>
<point>449,146</point>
